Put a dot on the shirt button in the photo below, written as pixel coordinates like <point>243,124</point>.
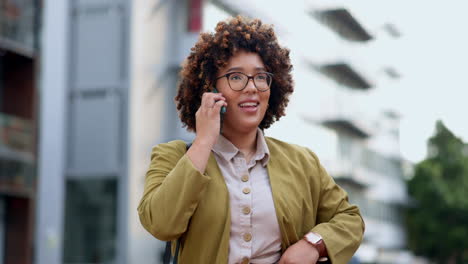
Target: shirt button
<point>245,260</point>
<point>245,178</point>
<point>247,237</point>
<point>246,190</point>
<point>246,210</point>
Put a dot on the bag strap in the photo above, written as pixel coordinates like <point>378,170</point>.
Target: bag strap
<point>167,252</point>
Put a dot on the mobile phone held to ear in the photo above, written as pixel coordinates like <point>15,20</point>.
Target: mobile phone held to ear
<point>223,108</point>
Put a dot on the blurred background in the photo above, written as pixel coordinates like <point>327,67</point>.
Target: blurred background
<point>87,88</point>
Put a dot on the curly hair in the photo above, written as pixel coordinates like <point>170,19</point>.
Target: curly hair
<point>213,51</point>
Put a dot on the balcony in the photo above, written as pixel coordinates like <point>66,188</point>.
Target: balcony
<point>16,138</point>
<point>347,173</point>
<point>342,116</point>
<point>345,75</point>
<point>17,161</point>
<point>344,119</point>
<point>343,23</point>
<point>17,26</point>
<point>342,123</point>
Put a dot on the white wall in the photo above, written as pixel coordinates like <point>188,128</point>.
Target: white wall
<point>52,118</point>
<point>151,48</point>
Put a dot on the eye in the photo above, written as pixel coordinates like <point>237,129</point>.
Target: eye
<point>261,77</point>
<point>236,77</point>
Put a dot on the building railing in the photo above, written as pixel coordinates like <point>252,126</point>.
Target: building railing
<point>17,162</point>
<point>341,169</point>
<point>16,134</point>
<point>382,164</point>
<point>362,157</point>
<point>17,24</point>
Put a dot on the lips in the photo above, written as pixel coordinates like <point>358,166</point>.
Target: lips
<point>249,106</point>
<point>249,103</point>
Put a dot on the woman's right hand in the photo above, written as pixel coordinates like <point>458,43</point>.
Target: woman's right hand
<point>208,124</point>
<point>208,118</point>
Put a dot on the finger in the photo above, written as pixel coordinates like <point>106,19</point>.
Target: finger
<point>213,102</point>
<point>209,99</point>
<point>217,106</point>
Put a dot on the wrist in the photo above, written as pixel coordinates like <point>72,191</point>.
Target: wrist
<point>316,241</point>
<point>310,247</point>
<point>204,142</point>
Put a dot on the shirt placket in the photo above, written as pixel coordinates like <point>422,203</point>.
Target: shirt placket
<point>245,210</point>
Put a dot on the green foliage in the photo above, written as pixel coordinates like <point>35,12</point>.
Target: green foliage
<point>437,222</point>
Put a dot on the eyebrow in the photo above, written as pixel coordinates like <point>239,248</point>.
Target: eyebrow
<point>241,68</point>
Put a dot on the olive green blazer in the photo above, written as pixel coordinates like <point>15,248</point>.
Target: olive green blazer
<point>181,203</point>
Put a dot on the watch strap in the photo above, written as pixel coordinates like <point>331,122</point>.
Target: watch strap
<point>321,248</point>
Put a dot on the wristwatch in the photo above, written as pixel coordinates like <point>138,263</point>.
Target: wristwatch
<point>317,241</point>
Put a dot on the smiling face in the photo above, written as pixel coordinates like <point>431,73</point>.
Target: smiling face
<point>246,108</point>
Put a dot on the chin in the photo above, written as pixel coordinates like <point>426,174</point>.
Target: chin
<point>248,126</point>
<point>243,126</point>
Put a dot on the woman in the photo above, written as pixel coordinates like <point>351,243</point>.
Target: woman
<point>236,196</point>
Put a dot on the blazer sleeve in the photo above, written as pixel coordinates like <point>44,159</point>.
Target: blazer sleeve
<point>173,188</point>
<point>339,222</point>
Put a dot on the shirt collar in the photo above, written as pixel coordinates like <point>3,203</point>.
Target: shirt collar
<point>227,150</point>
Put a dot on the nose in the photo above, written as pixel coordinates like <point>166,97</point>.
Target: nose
<point>250,87</point>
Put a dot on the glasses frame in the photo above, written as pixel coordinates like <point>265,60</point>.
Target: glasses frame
<point>248,79</point>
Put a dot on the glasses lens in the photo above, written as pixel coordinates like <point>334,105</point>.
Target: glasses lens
<point>237,81</point>
<point>262,81</point>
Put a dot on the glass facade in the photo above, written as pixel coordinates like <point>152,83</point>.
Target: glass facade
<point>90,221</point>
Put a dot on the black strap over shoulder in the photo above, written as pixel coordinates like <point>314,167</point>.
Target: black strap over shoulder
<point>167,251</point>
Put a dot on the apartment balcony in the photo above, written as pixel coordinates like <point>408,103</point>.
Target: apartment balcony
<point>347,173</point>
<point>17,161</point>
<point>343,23</point>
<point>16,138</point>
<point>344,121</point>
<point>345,74</point>
<point>17,26</point>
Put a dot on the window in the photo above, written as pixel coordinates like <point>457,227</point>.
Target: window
<point>90,220</point>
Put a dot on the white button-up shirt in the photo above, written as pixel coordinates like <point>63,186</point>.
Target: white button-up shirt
<point>255,235</point>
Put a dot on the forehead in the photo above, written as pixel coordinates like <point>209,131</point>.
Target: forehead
<point>245,60</point>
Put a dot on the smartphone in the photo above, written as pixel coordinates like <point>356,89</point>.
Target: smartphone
<point>223,108</point>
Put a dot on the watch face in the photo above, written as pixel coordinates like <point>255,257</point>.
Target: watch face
<point>313,237</point>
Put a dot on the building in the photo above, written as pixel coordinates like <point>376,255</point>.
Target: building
<point>75,80</point>
<point>108,76</point>
<point>18,121</point>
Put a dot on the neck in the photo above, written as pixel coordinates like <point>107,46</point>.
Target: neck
<point>246,142</point>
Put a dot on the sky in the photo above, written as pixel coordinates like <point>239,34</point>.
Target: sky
<point>430,55</point>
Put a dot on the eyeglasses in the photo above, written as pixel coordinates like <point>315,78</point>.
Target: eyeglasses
<point>238,81</point>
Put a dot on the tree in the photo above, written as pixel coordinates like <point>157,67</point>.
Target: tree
<point>437,222</point>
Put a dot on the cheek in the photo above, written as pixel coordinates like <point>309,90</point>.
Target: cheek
<point>266,97</point>
<point>230,98</point>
